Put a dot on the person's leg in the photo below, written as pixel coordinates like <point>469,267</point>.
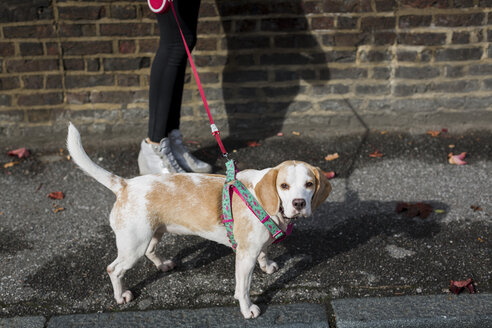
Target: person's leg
<point>168,68</point>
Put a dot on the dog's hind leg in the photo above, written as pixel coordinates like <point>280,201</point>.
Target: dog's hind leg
<point>130,250</point>
<point>266,264</point>
<point>156,259</point>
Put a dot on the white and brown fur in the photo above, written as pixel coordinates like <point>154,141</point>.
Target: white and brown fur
<point>148,206</point>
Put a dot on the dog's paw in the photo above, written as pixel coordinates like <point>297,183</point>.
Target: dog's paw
<point>125,298</point>
<point>252,312</point>
<point>270,267</point>
<point>166,266</point>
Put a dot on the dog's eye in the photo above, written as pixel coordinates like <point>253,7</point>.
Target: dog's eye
<point>284,186</point>
<point>309,184</point>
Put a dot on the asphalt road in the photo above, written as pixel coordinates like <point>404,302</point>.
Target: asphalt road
<point>355,246</point>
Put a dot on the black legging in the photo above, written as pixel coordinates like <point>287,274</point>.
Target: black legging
<point>169,66</point>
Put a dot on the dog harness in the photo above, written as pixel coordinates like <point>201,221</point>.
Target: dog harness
<point>233,185</point>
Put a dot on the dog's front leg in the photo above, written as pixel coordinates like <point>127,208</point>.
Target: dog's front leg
<point>245,263</point>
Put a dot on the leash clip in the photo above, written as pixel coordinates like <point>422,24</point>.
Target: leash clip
<point>214,129</point>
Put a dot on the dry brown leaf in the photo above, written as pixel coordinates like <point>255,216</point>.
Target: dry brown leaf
<point>434,133</point>
<point>56,195</point>
<point>376,154</point>
<point>332,157</point>
<point>457,159</point>
<point>9,164</point>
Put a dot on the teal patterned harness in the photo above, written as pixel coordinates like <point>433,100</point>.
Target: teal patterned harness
<point>233,185</point>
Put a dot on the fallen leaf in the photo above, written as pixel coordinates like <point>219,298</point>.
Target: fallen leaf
<point>1,213</point>
<point>444,130</point>
<point>439,211</point>
<point>332,157</point>
<point>457,159</point>
<point>296,133</point>
<point>20,153</point>
<point>280,134</point>
<point>480,239</point>
<point>476,208</point>
<point>376,154</point>
<point>457,287</point>
<point>58,208</point>
<point>384,132</point>
<point>414,209</point>
<point>329,175</point>
<point>451,146</point>
<point>9,164</point>
<point>434,133</point>
<point>253,144</point>
<point>56,195</point>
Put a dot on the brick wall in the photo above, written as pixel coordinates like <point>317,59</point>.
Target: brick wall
<point>339,64</point>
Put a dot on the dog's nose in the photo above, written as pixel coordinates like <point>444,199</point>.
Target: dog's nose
<point>299,203</point>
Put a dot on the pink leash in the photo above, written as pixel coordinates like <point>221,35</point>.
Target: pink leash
<point>215,131</point>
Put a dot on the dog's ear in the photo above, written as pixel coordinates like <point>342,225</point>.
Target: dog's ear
<point>323,188</point>
<point>266,192</point>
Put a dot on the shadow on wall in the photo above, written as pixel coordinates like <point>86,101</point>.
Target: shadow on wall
<point>270,49</point>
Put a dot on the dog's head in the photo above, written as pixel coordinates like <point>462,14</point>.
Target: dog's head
<point>292,189</point>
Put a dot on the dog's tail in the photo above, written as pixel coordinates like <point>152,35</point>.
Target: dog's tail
<point>79,156</point>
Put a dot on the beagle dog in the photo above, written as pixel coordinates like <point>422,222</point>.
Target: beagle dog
<point>148,206</point>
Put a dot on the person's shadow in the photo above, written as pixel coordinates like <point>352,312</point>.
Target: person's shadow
<point>269,53</point>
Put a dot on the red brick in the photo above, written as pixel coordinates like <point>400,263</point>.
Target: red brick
<point>31,65</point>
<point>76,64</point>
<point>415,21</point>
<point>77,30</point>
<point>378,23</point>
<point>37,99</point>
<point>38,115</point>
<point>427,39</point>
<point>7,49</point>
<point>9,83</point>
<point>54,82</point>
<point>78,13</point>
<point>460,20</point>
<point>421,4</point>
<point>128,29</point>
<point>206,44</point>
<point>33,82</point>
<point>52,49</point>
<point>209,27</point>
<point>87,47</point>
<point>312,7</point>
<point>149,45</point>
<point>322,23</point>
<point>127,46</point>
<point>124,12</point>
<point>208,10</point>
<point>346,6</point>
<point>31,48</point>
<point>31,31</point>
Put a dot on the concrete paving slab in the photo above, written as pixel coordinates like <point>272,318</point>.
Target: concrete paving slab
<point>415,311</point>
<point>23,322</point>
<point>294,315</point>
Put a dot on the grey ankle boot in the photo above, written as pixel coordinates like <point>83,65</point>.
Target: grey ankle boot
<point>183,156</point>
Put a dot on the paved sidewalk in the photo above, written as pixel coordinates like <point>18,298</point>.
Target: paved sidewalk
<point>356,248</point>
<point>387,312</point>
